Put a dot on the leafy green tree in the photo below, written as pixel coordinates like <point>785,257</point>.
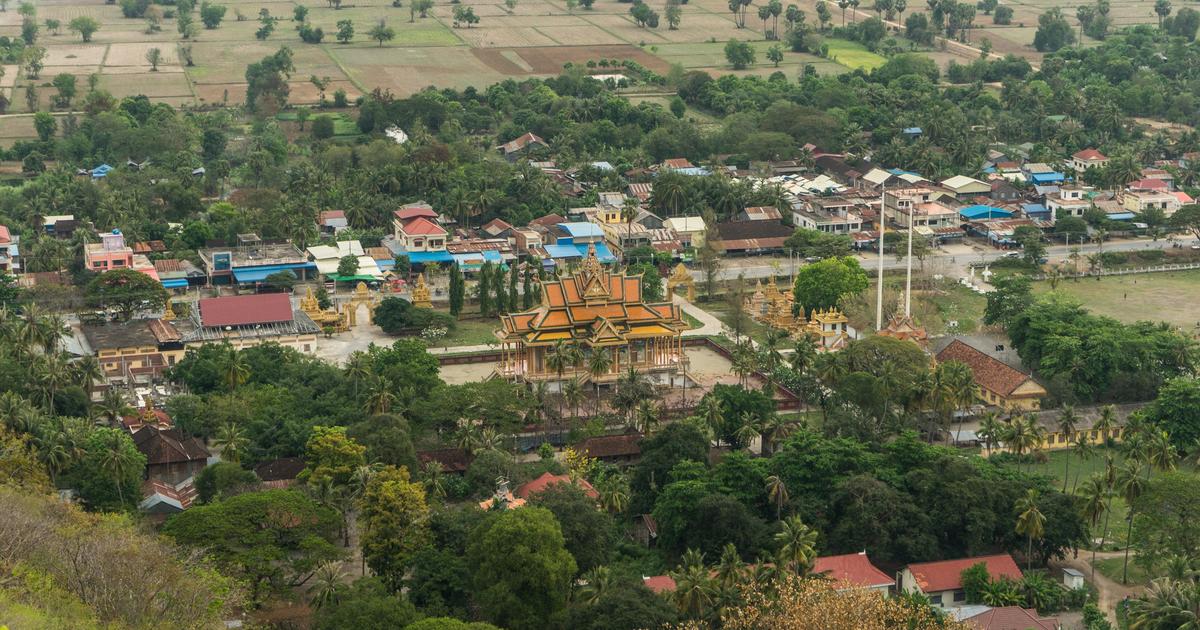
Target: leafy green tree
<point>623,606</point>
<point>46,125</point>
<point>677,442</point>
<point>775,55</point>
<point>331,456</point>
<point>85,25</point>
<point>345,31</point>
<point>273,539</point>
<point>1184,24</point>
<point>692,514</point>
<point>1012,295</point>
<point>125,291</point>
<point>520,587</point>
<point>457,291</point>
<point>1030,239</point>
<point>323,129</point>
<point>448,623</point>
<point>824,284</point>
<point>214,481</point>
<point>211,14</point>
<point>108,472</point>
<point>381,33</point>
<point>1053,32</point>
<point>394,518</point>
<point>348,264</point>
<point>739,54</point>
<point>267,81</point>
<point>387,440</point>
<point>588,533</point>
<point>1177,411</point>
<point>366,603</point>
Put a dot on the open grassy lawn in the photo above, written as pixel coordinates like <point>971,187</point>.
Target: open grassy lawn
<point>1112,568</point>
<point>853,55</point>
<point>1171,297</point>
<point>472,332</point>
<point>1080,471</point>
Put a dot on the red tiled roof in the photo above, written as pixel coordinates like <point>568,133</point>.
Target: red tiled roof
<point>185,494</point>
<point>946,575</point>
<point>404,214</point>
<point>548,220</point>
<point>1148,184</point>
<point>1011,618</point>
<point>243,310</point>
<point>677,163</point>
<point>332,214</point>
<point>990,373</point>
<point>422,226</point>
<point>852,570</point>
<point>659,583</point>
<point>547,480</point>
<point>5,235</point>
<point>1090,154</point>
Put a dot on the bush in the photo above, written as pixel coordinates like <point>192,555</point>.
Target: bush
<point>310,35</point>
<point>322,127</point>
<point>221,479</point>
<point>397,316</point>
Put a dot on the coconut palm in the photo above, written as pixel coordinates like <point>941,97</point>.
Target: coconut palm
<point>117,461</point>
<point>558,360</point>
<point>358,369</point>
<point>743,362</point>
<point>87,371</point>
<point>777,493</point>
<point>730,568</point>
<point>1130,485</point>
<point>629,212</point>
<point>467,436</point>
<point>594,583</point>
<point>433,479</point>
<point>111,407</point>
<point>990,430</point>
<point>713,416</point>
<point>1030,522</point>
<point>573,393</point>
<point>380,397</point>
<point>1097,501</point>
<point>328,580</point>
<point>797,545</point>
<point>693,587</point>
<point>1107,422</point>
<point>614,492</point>
<point>1067,423</point>
<point>1160,452</point>
<point>237,371</point>
<point>1167,605</point>
<point>230,442</point>
<point>645,417</point>
<point>599,362</point>
<point>1085,451</point>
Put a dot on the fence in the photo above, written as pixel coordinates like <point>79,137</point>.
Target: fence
<point>1123,271</point>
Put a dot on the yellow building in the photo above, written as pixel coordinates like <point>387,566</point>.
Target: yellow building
<point>594,311</point>
<point>1000,385</point>
<point>137,348</point>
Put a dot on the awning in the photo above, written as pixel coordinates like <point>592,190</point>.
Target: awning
<point>259,274</point>
<point>175,283</point>
<point>429,257</point>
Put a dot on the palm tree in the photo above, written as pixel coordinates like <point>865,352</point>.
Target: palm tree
<point>1085,451</point>
<point>558,361</point>
<point>1107,422</point>
<point>380,397</point>
<point>629,212</point>
<point>467,436</point>
<point>730,568</point>
<point>1161,453</point>
<point>1067,421</point>
<point>713,415</point>
<point>490,439</point>
<point>117,461</point>
<point>1031,523</point>
<point>111,407</point>
<point>598,364</point>
<point>777,493</point>
<point>573,393</point>
<point>645,417</point>
<point>693,589</point>
<point>237,371</point>
<point>230,442</point>
<point>614,492</point>
<point>358,369</point>
<point>990,430</point>
<point>594,583</point>
<point>743,362</point>
<point>87,371</point>
<point>327,584</point>
<point>797,545</point>
<point>1167,605</point>
<point>1131,485</point>
<point>1096,503</point>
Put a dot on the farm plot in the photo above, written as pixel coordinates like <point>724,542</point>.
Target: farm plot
<point>409,70</point>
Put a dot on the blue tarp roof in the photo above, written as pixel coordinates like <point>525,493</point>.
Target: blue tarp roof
<point>175,283</point>
<point>566,249</point>
<point>429,257</point>
<point>1121,216</point>
<point>912,130</point>
<point>981,211</point>
<point>101,171</point>
<point>897,171</point>
<point>1045,178</point>
<point>476,259</point>
<point>580,229</point>
<point>258,274</point>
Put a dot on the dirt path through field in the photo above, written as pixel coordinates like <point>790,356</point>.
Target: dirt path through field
<point>1109,592</point>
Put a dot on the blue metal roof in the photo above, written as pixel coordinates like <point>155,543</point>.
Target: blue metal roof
<point>175,283</point>
<point>1043,178</point>
<point>1034,208</point>
<point>912,130</point>
<point>258,274</point>
<point>981,211</point>
<point>581,229</point>
<point>429,257</point>
<point>1121,216</point>
<point>570,250</point>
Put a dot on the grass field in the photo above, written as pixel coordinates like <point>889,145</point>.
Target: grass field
<point>1113,569</point>
<point>1080,471</point>
<point>472,332</point>
<point>1171,297</point>
<point>853,55</point>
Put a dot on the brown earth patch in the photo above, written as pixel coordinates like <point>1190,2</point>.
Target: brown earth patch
<point>550,59</point>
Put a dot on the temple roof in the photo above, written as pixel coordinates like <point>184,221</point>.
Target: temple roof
<point>592,305</point>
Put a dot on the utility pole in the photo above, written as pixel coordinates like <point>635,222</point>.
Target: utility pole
<point>908,271</point>
<point>882,229</point>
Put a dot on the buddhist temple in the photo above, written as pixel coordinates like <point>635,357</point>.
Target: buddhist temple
<point>595,311</point>
<point>771,307</point>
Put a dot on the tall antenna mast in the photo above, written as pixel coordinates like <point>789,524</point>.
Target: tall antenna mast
<point>908,272</point>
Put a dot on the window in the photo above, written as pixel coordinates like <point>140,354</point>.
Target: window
<point>98,264</point>
<point>936,600</point>
<point>960,596</point>
<point>118,263</point>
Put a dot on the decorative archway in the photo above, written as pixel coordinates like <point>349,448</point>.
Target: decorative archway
<point>682,277</point>
<point>361,296</point>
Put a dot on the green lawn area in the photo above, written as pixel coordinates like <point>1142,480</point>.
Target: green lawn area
<point>853,55</point>
<point>1080,471</point>
<point>472,332</point>
<point>722,311</point>
<point>956,303</point>
<point>1173,297</point>
<point>343,125</point>
<point>1112,568</point>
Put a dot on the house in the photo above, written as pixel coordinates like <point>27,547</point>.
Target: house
<point>1010,171</point>
<point>60,225</point>
<point>1004,190</point>
<point>759,213</point>
<point>941,581</point>
<point>527,240</point>
<point>1148,184</point>
<point>613,449</point>
<point>249,320</point>
<point>174,273</point>
<point>688,230</point>
<point>253,260</point>
<point>840,170</point>
<point>1041,174</point>
<point>1162,175</point>
<point>10,251</point>
<point>416,234</point>
<point>136,348</point>
<point>751,237</point>
<point>676,164</point>
<point>280,473</point>
<point>1000,384</point>
<point>877,179</point>
<point>327,258</point>
<point>161,499</point>
<point>659,584</point>
<point>1085,159</point>
<point>1009,618</point>
<point>1139,201</point>
<point>1069,201</point>
<point>923,203</point>
<point>1037,212</point>
<point>833,215</point>
<point>548,479</point>
<point>572,241</point>
<point>515,148</point>
<point>496,228</point>
<point>1085,431</point>
<point>112,253</point>
<point>331,222</point>
<point>965,187</point>
<point>853,571</point>
<point>981,212</point>
<point>642,191</point>
<point>171,455</point>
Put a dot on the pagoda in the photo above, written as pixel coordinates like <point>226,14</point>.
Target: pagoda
<point>594,311</point>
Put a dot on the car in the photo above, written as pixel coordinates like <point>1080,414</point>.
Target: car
<point>812,259</point>
<point>1012,255</point>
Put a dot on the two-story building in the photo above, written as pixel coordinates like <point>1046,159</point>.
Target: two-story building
<point>1068,201</point>
<point>252,260</point>
<point>10,251</point>
<point>139,349</point>
<point>965,187</point>
<point>689,231</point>
<point>1139,201</point>
<point>416,233</point>
<point>1000,385</point>
<point>833,215</point>
<point>1085,159</point>
<point>924,204</point>
<point>112,253</point>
